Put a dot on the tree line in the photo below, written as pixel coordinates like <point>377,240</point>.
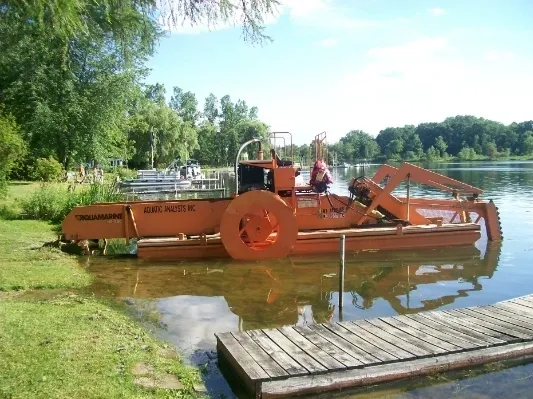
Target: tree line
<point>181,130</point>
<point>461,137</point>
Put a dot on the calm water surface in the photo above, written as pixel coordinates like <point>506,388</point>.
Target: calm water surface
<point>191,301</point>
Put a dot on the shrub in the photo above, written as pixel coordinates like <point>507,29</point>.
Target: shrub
<point>47,169</point>
<point>467,154</point>
<point>46,203</point>
<point>53,202</point>
<point>125,173</point>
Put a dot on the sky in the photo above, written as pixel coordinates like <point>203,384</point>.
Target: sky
<point>342,65</point>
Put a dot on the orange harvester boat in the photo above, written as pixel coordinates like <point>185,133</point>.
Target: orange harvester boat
<point>271,217</point>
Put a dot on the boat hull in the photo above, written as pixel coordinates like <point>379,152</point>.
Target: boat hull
<point>322,242</point>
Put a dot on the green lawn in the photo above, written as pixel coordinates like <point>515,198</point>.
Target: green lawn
<point>56,340</point>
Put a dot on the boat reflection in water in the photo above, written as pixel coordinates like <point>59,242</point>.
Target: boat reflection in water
<point>194,300</point>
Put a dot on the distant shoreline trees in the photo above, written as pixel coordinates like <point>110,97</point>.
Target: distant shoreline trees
<point>460,137</point>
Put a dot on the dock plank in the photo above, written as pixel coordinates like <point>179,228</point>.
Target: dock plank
<point>311,349</point>
<point>528,298</point>
<point>447,330</point>
<point>396,337</point>
<point>518,331</point>
<point>332,350</point>
<point>475,326</point>
<point>391,372</point>
<point>375,340</point>
<point>446,337</point>
<point>295,360</point>
<point>503,316</point>
<point>516,309</point>
<point>456,325</point>
<point>294,351</point>
<point>413,341</point>
<point>283,359</point>
<point>346,346</point>
<point>521,302</point>
<point>360,343</point>
<point>437,345</point>
<point>237,356</point>
<point>260,356</point>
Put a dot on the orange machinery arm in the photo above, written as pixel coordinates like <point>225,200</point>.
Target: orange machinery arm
<point>402,206</point>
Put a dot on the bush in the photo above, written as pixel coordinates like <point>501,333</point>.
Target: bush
<point>53,202</point>
<point>467,154</point>
<point>125,173</point>
<point>47,169</point>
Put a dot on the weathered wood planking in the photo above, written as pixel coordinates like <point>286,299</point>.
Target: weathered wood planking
<point>292,360</point>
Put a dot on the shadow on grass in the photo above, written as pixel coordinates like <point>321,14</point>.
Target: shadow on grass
<point>20,183</point>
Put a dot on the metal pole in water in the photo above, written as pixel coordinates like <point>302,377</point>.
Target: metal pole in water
<point>408,195</point>
<point>341,275</point>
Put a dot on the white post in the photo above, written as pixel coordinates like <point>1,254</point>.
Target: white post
<point>341,275</point>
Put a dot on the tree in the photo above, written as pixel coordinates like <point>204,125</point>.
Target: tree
<point>357,145</point>
<point>394,148</point>
<point>70,94</point>
<point>12,148</point>
<point>186,105</point>
<point>254,113</point>
<point>413,144</point>
<point>207,152</point>
<point>490,150</point>
<point>527,143</point>
<point>211,112</point>
<point>174,138</point>
<point>251,129</point>
<point>441,146</point>
<point>69,19</point>
<point>467,154</point>
<point>156,93</point>
<point>432,154</point>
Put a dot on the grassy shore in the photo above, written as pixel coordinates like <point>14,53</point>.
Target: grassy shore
<point>57,340</point>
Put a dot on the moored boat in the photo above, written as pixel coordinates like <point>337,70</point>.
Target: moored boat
<point>271,217</point>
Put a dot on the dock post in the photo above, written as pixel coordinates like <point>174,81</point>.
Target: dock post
<point>341,275</point>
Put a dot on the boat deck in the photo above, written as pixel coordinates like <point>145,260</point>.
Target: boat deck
<point>292,360</point>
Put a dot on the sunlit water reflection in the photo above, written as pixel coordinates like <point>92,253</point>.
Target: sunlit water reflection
<point>192,301</point>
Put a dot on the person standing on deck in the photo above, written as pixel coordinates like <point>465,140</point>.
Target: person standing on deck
<point>320,177</point>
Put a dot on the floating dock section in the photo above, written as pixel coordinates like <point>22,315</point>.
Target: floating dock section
<point>292,360</point>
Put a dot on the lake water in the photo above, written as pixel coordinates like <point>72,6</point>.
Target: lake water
<point>191,301</point>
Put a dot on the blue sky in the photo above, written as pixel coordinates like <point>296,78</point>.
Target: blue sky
<point>339,65</point>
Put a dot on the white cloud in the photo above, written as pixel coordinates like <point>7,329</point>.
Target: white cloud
<point>437,11</point>
<point>305,8</point>
<point>426,80</point>
<point>423,47</point>
<point>323,14</point>
<point>498,55</point>
<point>327,43</point>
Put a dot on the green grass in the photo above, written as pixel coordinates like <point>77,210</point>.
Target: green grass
<point>75,347</point>
<point>56,339</point>
<point>25,264</point>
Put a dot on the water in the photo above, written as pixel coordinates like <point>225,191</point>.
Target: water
<point>190,301</point>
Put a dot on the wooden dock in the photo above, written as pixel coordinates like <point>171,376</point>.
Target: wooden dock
<point>292,360</point>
